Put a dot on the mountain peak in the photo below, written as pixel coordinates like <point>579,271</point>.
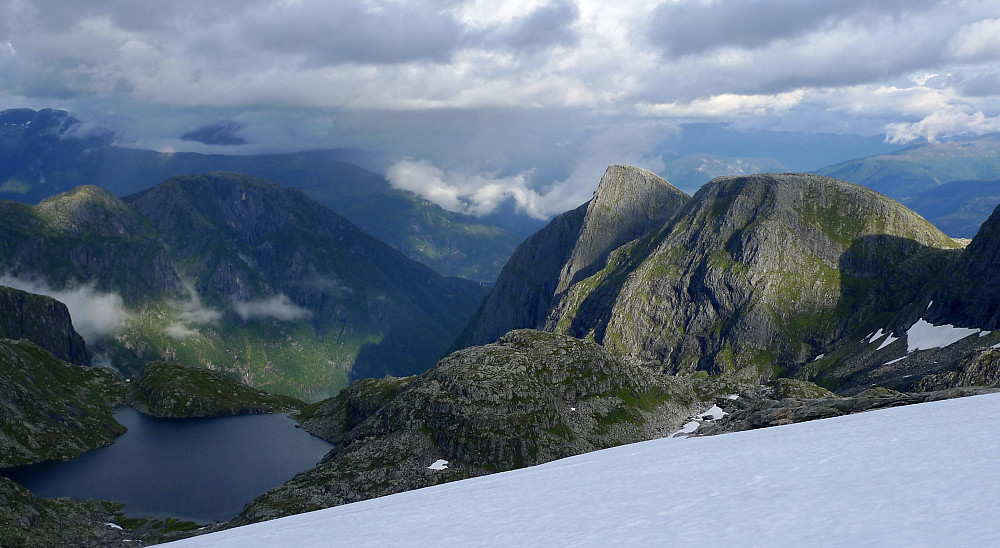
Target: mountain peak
<point>628,202</point>
<point>89,208</point>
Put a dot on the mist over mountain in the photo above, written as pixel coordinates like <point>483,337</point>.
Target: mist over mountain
<point>231,272</point>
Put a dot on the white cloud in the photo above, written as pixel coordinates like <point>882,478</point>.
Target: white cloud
<point>178,330</point>
<point>476,194</point>
<point>943,123</point>
<point>95,314</point>
<point>278,307</point>
<point>978,40</point>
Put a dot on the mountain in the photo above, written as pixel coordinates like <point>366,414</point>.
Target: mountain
<point>916,475</point>
<point>762,277</point>
<point>628,202</point>
<point>239,274</point>
<point>951,183</point>
<point>529,398</point>
<point>43,321</point>
<point>52,409</point>
<point>957,207</point>
<point>49,152</point>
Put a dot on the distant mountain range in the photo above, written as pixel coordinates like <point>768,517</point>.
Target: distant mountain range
<point>231,272</point>
<point>953,184</point>
<point>48,152</point>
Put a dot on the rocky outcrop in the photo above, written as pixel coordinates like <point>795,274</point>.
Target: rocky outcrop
<point>529,398</point>
<point>749,414</point>
<point>51,409</point>
<point>172,390</point>
<point>333,418</point>
<point>27,521</point>
<point>43,321</point>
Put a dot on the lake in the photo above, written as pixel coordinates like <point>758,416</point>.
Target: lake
<point>195,469</point>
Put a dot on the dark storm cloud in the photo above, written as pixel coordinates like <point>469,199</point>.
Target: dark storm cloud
<point>547,25</point>
<point>338,32</point>
<point>682,28</point>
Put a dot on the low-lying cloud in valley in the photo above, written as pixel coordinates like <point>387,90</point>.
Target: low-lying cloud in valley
<point>95,314</point>
<point>278,307</point>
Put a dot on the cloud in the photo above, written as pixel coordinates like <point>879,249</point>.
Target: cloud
<point>943,123</point>
<point>278,307</point>
<point>683,28</point>
<point>178,330</point>
<point>95,314</point>
<point>190,313</point>
<point>476,194</point>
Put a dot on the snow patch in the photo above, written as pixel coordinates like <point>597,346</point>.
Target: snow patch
<point>439,464</point>
<point>888,340</point>
<point>878,335</point>
<point>923,335</point>
<point>984,333</point>
<point>934,484</point>
<point>114,526</point>
<point>711,414</point>
<point>890,362</point>
<point>820,357</point>
<point>997,345</point>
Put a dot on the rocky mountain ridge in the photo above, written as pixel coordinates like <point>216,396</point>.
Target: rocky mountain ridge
<point>239,274</point>
<point>761,277</point>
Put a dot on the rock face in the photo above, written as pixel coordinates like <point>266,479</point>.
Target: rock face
<point>27,521</point>
<point>765,412</point>
<point>240,274</point>
<point>172,390</point>
<point>523,293</point>
<point>52,409</point>
<point>529,398</point>
<point>43,321</point>
<point>756,274</point>
<point>971,296</point>
<point>628,203</point>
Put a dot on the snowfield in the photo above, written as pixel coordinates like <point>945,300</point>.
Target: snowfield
<point>921,475</point>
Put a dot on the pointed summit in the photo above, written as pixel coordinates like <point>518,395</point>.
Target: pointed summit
<point>628,202</point>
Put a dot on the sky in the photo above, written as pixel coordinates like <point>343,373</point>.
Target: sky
<point>527,99</point>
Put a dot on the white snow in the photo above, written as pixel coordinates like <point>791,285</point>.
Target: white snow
<point>894,361</point>
<point>929,305</point>
<point>919,475</point>
<point>997,345</point>
<point>923,335</point>
<point>114,526</point>
<point>820,357</point>
<point>984,333</point>
<point>878,335</point>
<point>714,413</point>
<point>439,464</point>
<point>888,340</point>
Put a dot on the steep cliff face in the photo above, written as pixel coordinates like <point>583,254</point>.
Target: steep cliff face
<point>971,295</point>
<point>755,275</point>
<point>43,321</point>
<point>628,203</point>
<point>52,409</point>
<point>529,398</point>
<point>525,289</point>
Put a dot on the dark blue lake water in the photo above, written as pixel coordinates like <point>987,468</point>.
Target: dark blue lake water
<point>197,469</point>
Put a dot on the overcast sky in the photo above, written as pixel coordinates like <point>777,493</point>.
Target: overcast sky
<point>534,97</point>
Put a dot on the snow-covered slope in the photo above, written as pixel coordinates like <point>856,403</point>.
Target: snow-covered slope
<point>922,475</point>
